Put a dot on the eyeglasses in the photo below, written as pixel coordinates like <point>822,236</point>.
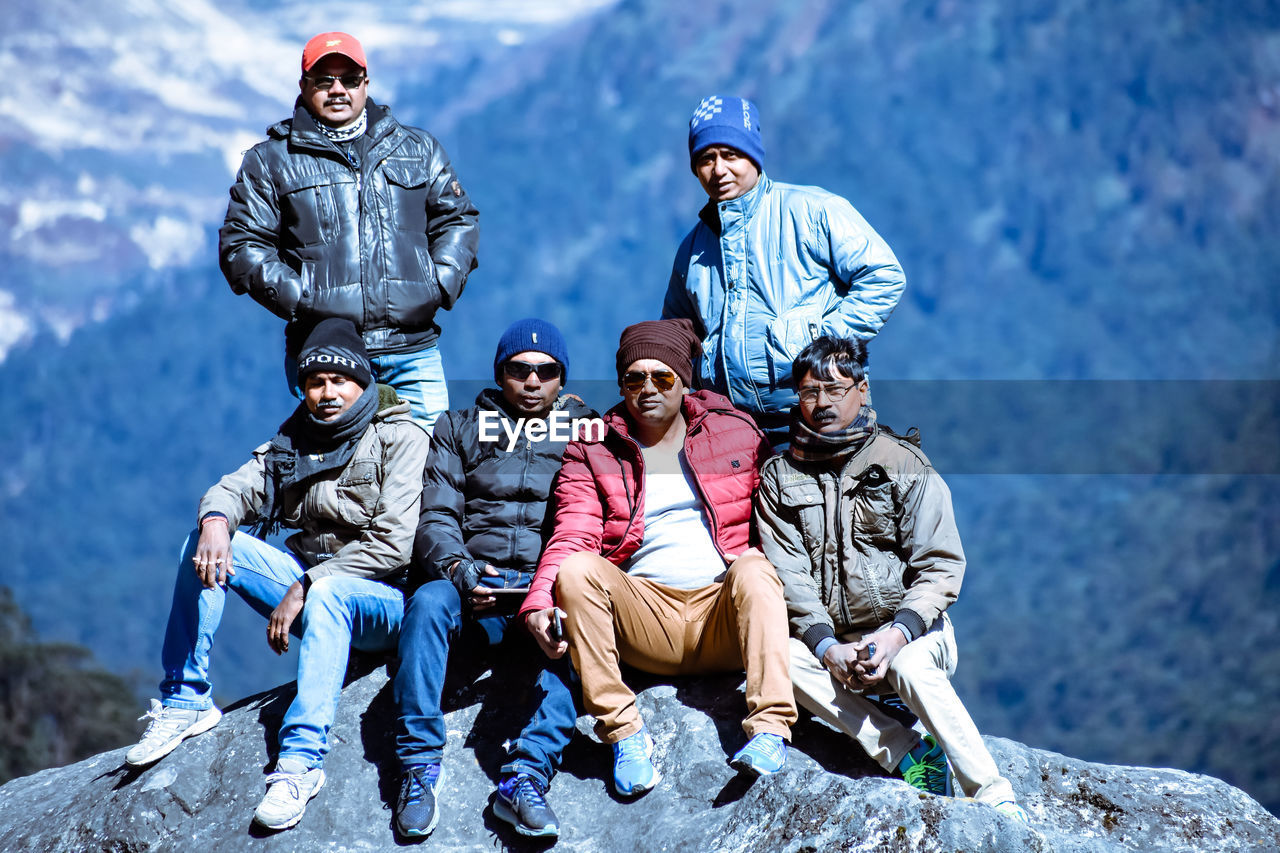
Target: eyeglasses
<point>520,370</point>
<point>663,380</point>
<point>325,83</point>
<point>835,393</point>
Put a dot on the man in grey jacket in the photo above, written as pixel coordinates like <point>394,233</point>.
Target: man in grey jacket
<point>345,471</point>
<point>860,528</point>
<point>769,267</point>
<point>345,212</point>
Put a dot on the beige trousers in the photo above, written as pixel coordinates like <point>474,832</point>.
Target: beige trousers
<point>613,618</point>
<point>921,675</point>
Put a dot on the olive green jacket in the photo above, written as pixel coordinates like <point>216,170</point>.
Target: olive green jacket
<point>861,545</point>
<point>358,521</point>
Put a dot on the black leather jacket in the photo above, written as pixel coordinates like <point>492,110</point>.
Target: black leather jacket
<point>384,243</point>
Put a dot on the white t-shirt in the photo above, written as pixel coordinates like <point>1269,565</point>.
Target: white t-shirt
<point>678,549</point>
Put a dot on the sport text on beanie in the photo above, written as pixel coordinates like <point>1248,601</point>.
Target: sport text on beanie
<point>335,346</point>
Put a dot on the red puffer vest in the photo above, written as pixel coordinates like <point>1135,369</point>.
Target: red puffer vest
<point>599,497</point>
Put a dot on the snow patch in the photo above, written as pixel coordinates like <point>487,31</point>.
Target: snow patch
<point>36,213</point>
<point>14,327</point>
<point>168,242</point>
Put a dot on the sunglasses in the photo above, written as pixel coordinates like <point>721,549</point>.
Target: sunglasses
<point>325,83</point>
<point>520,370</point>
<point>663,380</point>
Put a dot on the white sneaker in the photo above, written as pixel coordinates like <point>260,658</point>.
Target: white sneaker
<point>168,728</point>
<point>288,791</point>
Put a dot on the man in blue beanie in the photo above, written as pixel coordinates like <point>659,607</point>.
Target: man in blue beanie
<point>769,267</point>
<point>485,492</point>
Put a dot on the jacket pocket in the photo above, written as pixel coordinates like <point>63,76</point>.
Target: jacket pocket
<point>357,492</point>
<point>803,501</point>
<point>787,335</point>
<point>309,207</point>
<point>875,511</point>
<point>407,186</point>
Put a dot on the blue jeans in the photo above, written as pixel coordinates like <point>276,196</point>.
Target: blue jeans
<point>418,378</point>
<point>339,613</point>
<point>433,618</point>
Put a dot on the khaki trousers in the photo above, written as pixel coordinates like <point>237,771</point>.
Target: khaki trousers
<point>921,675</point>
<point>613,618</point>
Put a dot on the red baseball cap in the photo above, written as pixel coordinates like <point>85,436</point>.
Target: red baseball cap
<point>326,43</point>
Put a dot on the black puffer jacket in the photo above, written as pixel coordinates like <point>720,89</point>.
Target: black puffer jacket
<point>481,501</point>
<point>384,244</point>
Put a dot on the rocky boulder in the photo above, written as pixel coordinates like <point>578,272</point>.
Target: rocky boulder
<point>830,796</point>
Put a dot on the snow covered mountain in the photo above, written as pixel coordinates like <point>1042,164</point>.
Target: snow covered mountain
<point>127,121</point>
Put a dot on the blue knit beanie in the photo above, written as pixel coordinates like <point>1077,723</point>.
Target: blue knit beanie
<point>531,335</point>
<point>725,120</point>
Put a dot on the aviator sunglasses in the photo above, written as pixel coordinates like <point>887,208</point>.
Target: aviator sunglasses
<point>663,380</point>
<point>520,370</point>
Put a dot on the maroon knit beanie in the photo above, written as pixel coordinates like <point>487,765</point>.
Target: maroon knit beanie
<point>672,342</point>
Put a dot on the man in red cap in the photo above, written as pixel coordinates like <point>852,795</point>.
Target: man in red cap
<point>345,212</point>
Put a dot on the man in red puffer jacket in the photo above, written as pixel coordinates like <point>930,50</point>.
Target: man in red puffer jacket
<point>651,559</point>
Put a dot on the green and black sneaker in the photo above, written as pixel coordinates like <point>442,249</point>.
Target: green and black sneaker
<point>926,768</point>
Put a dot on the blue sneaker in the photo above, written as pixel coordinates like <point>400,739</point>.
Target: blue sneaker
<point>926,768</point>
<point>764,755</point>
<point>633,772</point>
<point>521,802</point>
<point>416,807</point>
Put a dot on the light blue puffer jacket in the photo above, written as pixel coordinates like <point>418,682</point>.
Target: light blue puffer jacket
<point>782,265</point>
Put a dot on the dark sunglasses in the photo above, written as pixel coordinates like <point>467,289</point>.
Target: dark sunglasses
<point>663,380</point>
<point>325,83</point>
<point>520,370</point>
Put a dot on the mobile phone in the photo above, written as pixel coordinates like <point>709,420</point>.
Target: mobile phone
<point>500,591</point>
<point>557,625</point>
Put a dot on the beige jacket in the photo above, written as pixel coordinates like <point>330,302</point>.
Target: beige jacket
<point>358,521</point>
<point>863,546</point>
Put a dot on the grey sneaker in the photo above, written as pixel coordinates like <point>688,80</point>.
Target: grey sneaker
<point>289,789</point>
<point>168,728</point>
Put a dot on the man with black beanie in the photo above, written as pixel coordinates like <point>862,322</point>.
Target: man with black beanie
<point>345,472</point>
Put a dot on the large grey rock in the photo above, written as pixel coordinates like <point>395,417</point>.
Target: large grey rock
<point>829,798</point>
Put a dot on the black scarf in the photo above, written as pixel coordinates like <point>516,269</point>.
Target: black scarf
<point>306,446</point>
<point>809,445</point>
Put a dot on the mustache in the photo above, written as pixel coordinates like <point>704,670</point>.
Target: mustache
<point>341,99</point>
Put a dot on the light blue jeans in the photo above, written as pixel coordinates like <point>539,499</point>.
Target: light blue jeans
<point>339,613</point>
<point>418,378</point>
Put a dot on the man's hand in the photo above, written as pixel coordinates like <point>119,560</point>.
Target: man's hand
<point>213,553</point>
<point>887,643</point>
<point>282,618</point>
<point>839,659</point>
<point>539,624</point>
<point>466,575</point>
